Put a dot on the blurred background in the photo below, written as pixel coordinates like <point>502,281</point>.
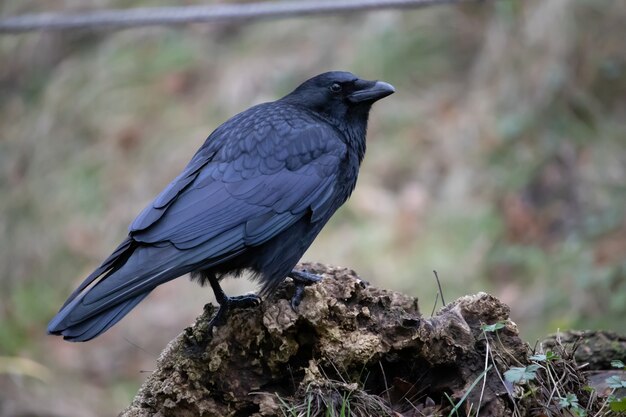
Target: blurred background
<point>500,162</point>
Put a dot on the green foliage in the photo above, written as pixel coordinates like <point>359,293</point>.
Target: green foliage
<point>570,401</point>
<point>555,380</point>
<point>493,327</point>
<point>521,375</point>
<point>618,364</point>
<point>545,357</point>
<point>615,382</point>
<point>618,405</point>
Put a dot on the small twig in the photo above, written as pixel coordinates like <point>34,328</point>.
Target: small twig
<point>439,285</point>
<point>155,355</point>
<point>385,381</point>
<point>554,381</point>
<point>557,383</point>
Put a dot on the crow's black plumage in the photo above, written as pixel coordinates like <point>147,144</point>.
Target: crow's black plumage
<point>253,197</point>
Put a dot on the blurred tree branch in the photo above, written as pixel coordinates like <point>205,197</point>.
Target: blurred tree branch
<point>159,16</point>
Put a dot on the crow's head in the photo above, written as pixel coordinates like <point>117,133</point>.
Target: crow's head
<point>339,95</point>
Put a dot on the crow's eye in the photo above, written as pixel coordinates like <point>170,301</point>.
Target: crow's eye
<point>335,88</point>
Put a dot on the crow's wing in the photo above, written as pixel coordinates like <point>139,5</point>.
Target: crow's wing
<point>245,192</point>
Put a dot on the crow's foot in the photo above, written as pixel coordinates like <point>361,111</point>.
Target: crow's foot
<point>232,303</point>
<point>229,303</point>
<point>301,279</point>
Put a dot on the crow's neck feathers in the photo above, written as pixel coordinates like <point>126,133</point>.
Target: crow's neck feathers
<point>351,124</point>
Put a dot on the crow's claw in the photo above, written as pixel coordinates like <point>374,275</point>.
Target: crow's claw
<point>229,303</point>
<point>232,303</point>
<point>301,279</point>
<point>243,301</point>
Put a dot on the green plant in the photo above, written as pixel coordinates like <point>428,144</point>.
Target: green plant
<point>570,402</point>
<point>615,382</point>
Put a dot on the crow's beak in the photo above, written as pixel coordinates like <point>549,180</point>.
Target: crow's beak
<point>373,91</point>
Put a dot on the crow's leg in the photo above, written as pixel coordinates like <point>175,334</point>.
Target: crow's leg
<point>301,279</point>
<point>227,303</point>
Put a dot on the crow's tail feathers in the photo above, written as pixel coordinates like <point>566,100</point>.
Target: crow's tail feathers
<point>123,280</point>
<point>90,327</point>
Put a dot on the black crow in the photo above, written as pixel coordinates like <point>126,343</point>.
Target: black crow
<point>253,198</point>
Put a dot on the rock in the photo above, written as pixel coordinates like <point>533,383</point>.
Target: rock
<point>349,344</point>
